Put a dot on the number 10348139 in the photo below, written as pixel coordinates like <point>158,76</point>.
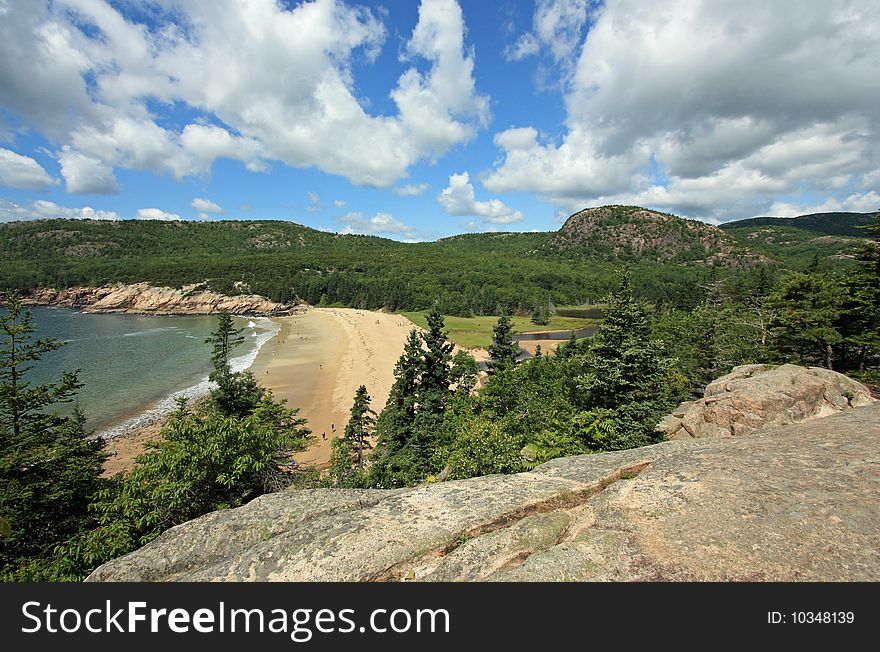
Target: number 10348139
<point>811,617</point>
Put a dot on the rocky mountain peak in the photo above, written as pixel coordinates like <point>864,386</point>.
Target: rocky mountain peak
<point>639,233</point>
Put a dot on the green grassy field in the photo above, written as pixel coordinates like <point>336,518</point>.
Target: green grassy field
<point>476,332</point>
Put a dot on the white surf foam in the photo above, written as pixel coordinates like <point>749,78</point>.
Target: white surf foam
<point>167,405</point>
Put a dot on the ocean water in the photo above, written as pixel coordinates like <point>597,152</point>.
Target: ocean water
<point>133,366</point>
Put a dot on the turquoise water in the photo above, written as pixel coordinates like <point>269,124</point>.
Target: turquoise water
<point>132,365</point>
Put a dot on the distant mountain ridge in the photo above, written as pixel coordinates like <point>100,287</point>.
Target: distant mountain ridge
<point>798,240</point>
<point>840,223</point>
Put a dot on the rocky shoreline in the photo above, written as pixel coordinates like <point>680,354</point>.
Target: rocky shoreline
<point>143,298</point>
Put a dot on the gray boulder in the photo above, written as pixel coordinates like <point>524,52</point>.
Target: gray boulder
<point>755,396</point>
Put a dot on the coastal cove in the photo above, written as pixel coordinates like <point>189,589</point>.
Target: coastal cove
<point>315,359</point>
<point>134,366</point>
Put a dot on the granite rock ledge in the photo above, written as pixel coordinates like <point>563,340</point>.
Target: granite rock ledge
<point>792,502</point>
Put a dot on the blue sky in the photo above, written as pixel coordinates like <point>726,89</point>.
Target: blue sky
<point>417,120</point>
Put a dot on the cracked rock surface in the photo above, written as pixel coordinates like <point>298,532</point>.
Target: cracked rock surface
<point>793,502</point>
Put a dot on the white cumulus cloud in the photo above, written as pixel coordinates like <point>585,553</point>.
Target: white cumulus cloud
<point>86,175</point>
<point>156,214</point>
<point>458,198</point>
<point>857,202</point>
<point>411,190</point>
<point>709,109</point>
<point>206,205</point>
<point>17,171</point>
<point>43,209</point>
<point>557,26</point>
<point>268,81</point>
<point>379,224</point>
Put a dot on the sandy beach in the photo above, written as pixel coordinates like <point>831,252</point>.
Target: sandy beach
<point>124,448</point>
<point>316,361</point>
<point>547,346</point>
<point>320,357</point>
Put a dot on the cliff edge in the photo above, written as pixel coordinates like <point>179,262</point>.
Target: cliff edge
<point>793,502</point>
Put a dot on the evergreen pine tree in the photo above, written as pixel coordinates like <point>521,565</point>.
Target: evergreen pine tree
<point>503,351</point>
<point>539,316</point>
<point>49,466</point>
<point>763,283</point>
<point>437,357</point>
<point>626,371</point>
<point>571,347</point>
<point>411,424</point>
<point>860,310</point>
<point>237,393</point>
<point>223,340</point>
<point>395,423</point>
<point>394,428</point>
<point>340,470</point>
<point>360,425</point>
<point>464,372</point>
<point>804,327</point>
<point>433,394</point>
<point>705,338</point>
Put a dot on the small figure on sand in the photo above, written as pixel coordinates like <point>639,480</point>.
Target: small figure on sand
<point>333,426</point>
<point>324,435</point>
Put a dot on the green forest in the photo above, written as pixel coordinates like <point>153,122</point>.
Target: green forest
<point>466,275</point>
<point>59,519</point>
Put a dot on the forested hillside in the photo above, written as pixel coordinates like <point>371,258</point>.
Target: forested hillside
<point>469,274</point>
<point>845,224</point>
<point>799,240</point>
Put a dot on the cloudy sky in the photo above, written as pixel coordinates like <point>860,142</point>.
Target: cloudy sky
<point>419,120</point>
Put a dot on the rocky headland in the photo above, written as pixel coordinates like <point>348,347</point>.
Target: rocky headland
<point>143,298</point>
